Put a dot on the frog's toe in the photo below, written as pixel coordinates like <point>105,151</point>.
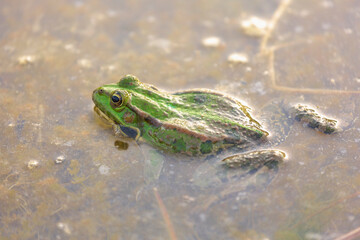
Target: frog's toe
<point>255,159</point>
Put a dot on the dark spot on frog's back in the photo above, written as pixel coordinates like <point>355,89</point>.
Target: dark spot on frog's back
<point>179,145</point>
<point>206,147</point>
<point>199,98</point>
<point>129,117</point>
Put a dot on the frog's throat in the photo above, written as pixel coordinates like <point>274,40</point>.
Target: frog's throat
<point>157,123</point>
<point>102,115</point>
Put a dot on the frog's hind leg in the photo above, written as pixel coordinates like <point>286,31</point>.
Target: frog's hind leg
<point>255,159</point>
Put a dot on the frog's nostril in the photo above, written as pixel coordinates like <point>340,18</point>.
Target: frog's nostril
<point>98,91</point>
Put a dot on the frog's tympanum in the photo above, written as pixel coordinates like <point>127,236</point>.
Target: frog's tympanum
<point>194,122</point>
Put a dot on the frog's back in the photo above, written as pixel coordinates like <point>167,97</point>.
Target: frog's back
<point>207,120</point>
<point>222,113</point>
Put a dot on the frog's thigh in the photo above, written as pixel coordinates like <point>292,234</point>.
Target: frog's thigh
<point>255,159</point>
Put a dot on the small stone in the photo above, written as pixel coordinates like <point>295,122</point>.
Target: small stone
<point>104,170</point>
<point>304,13</point>
<point>248,69</point>
<point>313,236</point>
<point>212,42</point>
<point>161,43</point>
<point>238,58</point>
<point>325,26</point>
<point>85,63</point>
<point>26,60</point>
<point>189,198</point>
<point>254,26</point>
<point>60,159</point>
<point>111,13</point>
<point>351,218</point>
<point>348,31</point>
<point>299,29</point>
<point>327,4</point>
<point>33,164</point>
<point>151,19</point>
<point>65,227</point>
<point>71,48</point>
<point>202,217</point>
<point>108,68</point>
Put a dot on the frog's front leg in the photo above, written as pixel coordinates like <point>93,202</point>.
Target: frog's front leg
<point>255,159</point>
<point>153,159</point>
<point>126,131</point>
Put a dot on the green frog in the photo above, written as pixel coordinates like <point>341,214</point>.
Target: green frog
<point>196,122</point>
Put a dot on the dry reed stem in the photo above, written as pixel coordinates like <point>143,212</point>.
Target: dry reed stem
<point>165,215</point>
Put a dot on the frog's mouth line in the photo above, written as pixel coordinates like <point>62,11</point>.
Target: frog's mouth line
<point>102,115</point>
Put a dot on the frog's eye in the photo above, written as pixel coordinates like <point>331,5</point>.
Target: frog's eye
<point>116,99</point>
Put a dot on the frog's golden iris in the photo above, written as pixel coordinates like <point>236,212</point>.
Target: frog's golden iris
<point>116,99</point>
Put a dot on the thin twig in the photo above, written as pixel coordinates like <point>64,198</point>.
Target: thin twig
<point>300,90</point>
<point>165,215</point>
<point>273,22</point>
<point>326,208</point>
<point>354,234</point>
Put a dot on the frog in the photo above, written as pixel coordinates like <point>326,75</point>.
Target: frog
<point>195,122</point>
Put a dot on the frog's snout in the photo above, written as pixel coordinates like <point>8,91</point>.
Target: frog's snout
<point>97,92</point>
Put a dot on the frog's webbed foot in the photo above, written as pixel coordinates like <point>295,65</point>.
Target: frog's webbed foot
<point>256,159</point>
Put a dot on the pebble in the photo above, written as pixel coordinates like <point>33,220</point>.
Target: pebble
<point>33,164</point>
<point>85,63</point>
<point>65,227</point>
<point>104,170</point>
<point>60,159</point>
<point>254,26</point>
<point>26,60</point>
<point>238,58</point>
<point>212,42</point>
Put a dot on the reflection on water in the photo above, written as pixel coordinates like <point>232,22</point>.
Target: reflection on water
<point>61,175</point>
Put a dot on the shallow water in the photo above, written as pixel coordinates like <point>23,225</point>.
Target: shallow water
<point>54,54</point>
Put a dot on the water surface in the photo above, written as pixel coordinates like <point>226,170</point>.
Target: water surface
<point>53,54</point>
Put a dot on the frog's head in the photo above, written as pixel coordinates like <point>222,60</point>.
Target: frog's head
<point>112,102</point>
